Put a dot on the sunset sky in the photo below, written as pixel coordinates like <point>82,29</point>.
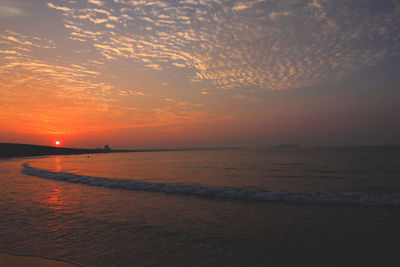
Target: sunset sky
<point>199,73</point>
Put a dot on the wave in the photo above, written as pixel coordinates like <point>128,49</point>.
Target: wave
<point>354,198</point>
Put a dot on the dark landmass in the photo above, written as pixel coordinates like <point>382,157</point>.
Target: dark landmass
<point>8,150</point>
<point>287,146</point>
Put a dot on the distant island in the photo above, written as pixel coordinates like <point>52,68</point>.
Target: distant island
<point>286,146</point>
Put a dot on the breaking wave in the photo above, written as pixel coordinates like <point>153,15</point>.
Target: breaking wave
<point>354,198</point>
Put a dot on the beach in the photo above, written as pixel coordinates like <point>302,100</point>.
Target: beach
<point>28,261</point>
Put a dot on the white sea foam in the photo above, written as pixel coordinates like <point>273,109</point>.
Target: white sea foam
<point>219,192</point>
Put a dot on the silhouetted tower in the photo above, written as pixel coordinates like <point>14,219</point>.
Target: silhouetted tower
<point>107,148</point>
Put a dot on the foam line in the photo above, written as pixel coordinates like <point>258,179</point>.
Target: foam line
<point>218,191</point>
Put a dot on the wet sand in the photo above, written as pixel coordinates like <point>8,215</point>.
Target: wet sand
<point>28,261</point>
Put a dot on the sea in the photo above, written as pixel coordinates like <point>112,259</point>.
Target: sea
<point>331,206</point>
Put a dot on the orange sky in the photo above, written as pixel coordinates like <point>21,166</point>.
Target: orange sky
<point>155,74</point>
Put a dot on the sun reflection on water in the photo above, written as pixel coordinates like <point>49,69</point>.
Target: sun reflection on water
<point>55,200</point>
<point>54,225</point>
<point>57,161</point>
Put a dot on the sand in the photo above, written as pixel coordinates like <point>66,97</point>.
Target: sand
<point>27,261</point>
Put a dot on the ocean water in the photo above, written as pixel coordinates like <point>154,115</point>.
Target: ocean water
<point>247,207</point>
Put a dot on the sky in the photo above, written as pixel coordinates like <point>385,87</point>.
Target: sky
<point>199,73</point>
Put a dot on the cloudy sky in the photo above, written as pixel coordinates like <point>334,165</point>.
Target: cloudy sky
<point>190,73</point>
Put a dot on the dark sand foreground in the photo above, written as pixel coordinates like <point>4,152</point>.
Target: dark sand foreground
<point>25,261</point>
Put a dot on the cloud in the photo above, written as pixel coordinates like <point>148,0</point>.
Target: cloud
<point>96,2</point>
<point>236,44</point>
<point>25,68</point>
<point>207,93</point>
<point>9,10</point>
<point>246,4</point>
<point>61,8</point>
<point>74,91</point>
<point>154,66</point>
<point>275,15</point>
<point>179,65</point>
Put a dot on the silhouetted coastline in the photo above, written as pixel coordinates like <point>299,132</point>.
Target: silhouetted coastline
<point>9,150</point>
<point>287,146</point>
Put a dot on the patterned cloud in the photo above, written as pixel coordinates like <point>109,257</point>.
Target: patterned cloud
<point>272,45</point>
<point>221,48</point>
<point>31,85</point>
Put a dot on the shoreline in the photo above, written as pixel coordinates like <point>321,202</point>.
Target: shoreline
<point>11,150</point>
<point>7,259</point>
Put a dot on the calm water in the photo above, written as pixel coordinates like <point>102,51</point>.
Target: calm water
<point>271,207</point>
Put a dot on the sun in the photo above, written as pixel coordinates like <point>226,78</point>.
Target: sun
<point>58,143</point>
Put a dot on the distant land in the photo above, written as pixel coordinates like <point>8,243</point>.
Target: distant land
<point>286,146</point>
<point>8,150</point>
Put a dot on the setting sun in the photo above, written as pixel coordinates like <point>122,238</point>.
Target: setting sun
<point>57,143</point>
